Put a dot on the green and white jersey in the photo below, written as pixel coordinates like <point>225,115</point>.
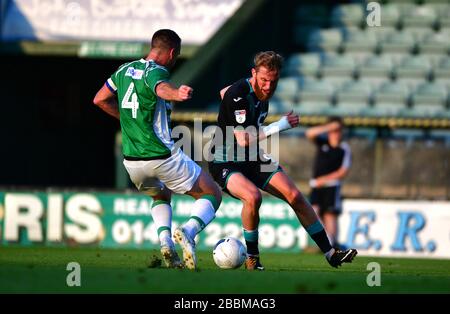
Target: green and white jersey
<point>144,117</point>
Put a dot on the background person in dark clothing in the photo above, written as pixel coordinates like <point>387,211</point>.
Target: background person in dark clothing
<point>331,165</point>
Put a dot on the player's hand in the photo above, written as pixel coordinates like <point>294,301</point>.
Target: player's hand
<point>185,92</point>
<point>293,119</point>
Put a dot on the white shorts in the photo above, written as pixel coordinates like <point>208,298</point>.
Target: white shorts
<point>178,173</point>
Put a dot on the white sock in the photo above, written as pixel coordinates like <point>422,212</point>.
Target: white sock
<point>329,253</point>
<point>162,217</point>
<point>203,213</point>
<point>165,238</point>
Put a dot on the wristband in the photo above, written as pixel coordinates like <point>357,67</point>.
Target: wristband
<point>276,127</point>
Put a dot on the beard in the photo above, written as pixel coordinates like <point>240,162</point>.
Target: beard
<point>261,95</point>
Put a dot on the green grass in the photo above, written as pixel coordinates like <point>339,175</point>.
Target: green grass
<point>43,270</point>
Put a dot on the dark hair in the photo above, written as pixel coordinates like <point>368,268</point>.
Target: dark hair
<point>336,119</point>
<point>269,59</point>
<point>166,39</point>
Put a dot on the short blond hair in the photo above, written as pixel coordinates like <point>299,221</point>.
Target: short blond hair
<point>268,59</point>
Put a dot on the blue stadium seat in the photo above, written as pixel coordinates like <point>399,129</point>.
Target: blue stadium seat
<point>443,13</point>
<point>419,33</point>
<point>325,40</point>
<point>315,97</point>
<point>436,43</point>
<point>429,100</point>
<point>347,15</point>
<point>352,99</point>
<point>413,70</point>
<point>376,66</point>
<point>420,15</point>
<point>443,69</point>
<point>287,89</point>
<point>337,65</point>
<point>390,15</point>
<point>303,64</point>
<point>399,42</point>
<point>381,33</point>
<point>359,40</point>
<point>391,99</point>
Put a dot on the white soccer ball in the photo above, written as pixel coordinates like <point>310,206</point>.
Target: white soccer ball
<point>229,253</point>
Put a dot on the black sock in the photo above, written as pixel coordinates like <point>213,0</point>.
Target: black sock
<point>252,247</point>
<point>322,241</point>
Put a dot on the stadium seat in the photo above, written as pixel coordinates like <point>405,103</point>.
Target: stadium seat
<point>408,135</point>
<point>337,81</point>
<point>311,108</point>
<point>414,67</point>
<point>277,106</point>
<point>390,15</point>
<point>443,13</point>
<point>337,65</point>
<point>381,33</point>
<point>347,15</point>
<point>315,97</point>
<point>419,33</point>
<point>303,64</point>
<point>327,40</point>
<point>390,99</point>
<point>368,133</point>
<point>287,89</point>
<point>436,43</point>
<point>374,82</point>
<point>352,98</point>
<point>359,56</point>
<point>359,40</point>
<point>442,70</point>
<point>376,66</point>
<point>423,16</point>
<point>443,135</point>
<point>429,99</point>
<point>400,42</point>
<point>357,92</point>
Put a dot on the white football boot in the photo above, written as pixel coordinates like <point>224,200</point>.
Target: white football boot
<point>170,257</point>
<point>188,246</point>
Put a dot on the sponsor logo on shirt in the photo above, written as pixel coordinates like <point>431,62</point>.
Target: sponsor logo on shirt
<point>135,74</point>
<point>237,99</point>
<point>240,115</point>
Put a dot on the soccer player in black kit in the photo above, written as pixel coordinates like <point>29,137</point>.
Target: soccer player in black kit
<point>332,163</point>
<point>241,169</point>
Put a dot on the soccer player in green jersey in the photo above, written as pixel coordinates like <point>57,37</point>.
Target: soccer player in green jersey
<point>139,94</point>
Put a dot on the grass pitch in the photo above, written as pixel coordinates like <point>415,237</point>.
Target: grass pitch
<point>43,270</point>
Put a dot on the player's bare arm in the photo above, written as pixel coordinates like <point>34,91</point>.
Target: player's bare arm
<point>339,174</point>
<point>169,92</point>
<point>107,101</point>
<point>315,131</point>
<point>223,91</point>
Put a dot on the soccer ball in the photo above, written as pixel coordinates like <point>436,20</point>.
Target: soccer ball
<point>229,253</point>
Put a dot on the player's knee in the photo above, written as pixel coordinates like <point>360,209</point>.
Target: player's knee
<point>296,198</point>
<point>253,199</point>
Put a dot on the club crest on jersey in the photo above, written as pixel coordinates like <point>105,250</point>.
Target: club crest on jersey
<point>135,74</point>
<point>240,115</point>
<point>224,173</point>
